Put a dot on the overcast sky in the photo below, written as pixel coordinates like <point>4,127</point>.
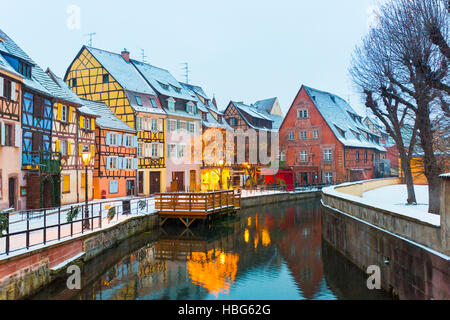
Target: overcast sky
<point>239,50</point>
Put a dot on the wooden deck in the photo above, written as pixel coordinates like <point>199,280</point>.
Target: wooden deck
<point>188,207</point>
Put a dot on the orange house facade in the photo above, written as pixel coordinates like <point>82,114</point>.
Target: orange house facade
<point>323,140</point>
<point>116,161</point>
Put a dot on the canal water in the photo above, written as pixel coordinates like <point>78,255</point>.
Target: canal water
<point>274,252</point>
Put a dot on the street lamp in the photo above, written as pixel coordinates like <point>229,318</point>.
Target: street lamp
<point>86,157</point>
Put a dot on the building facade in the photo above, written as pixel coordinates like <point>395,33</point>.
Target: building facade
<point>183,125</point>
<point>10,135</point>
<point>116,161</point>
<point>323,140</point>
<point>112,78</point>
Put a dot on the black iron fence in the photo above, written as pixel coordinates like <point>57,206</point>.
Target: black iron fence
<point>34,228</point>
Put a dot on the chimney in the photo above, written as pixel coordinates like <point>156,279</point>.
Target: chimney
<point>126,55</point>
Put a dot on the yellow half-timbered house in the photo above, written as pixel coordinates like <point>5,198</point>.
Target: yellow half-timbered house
<point>111,78</point>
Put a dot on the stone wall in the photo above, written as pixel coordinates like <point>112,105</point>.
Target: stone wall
<point>24,274</point>
<point>413,255</point>
<point>248,202</point>
<point>358,188</point>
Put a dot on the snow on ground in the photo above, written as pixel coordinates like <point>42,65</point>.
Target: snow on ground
<point>394,197</point>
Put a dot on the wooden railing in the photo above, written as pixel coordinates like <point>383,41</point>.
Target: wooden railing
<point>199,204</point>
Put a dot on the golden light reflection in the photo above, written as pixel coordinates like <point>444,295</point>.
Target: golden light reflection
<point>265,238</point>
<point>249,221</point>
<point>246,235</point>
<point>256,241</point>
<point>215,270</point>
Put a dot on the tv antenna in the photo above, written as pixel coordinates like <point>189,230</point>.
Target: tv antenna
<point>143,55</point>
<point>186,71</point>
<point>91,35</point>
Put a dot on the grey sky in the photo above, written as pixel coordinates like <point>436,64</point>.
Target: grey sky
<point>238,49</point>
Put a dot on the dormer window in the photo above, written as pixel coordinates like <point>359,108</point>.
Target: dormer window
<point>171,104</point>
<point>176,88</point>
<point>153,102</point>
<point>204,116</point>
<point>106,78</point>
<point>219,118</point>
<point>163,85</point>
<point>138,101</point>
<point>190,107</point>
<point>24,69</point>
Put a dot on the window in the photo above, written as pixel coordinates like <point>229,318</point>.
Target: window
<point>153,102</point>
<point>105,78</point>
<point>191,127</point>
<point>129,163</point>
<point>154,125</point>
<point>128,141</point>
<point>171,150</point>
<point>6,88</point>
<point>171,104</point>
<point>357,156</point>
<point>303,135</point>
<point>365,156</point>
<point>138,124</point>
<point>291,136</point>
<point>138,101</point>
<point>63,148</point>
<point>8,135</point>
<point>327,155</point>
<point>66,183</point>
<point>24,69</point>
<point>74,83</point>
<point>172,125</point>
<point>219,118</point>
<point>190,107</point>
<point>113,186</point>
<point>65,114</point>
<point>204,116</point>
<point>183,126</point>
<point>181,151</point>
<point>302,113</point>
<point>139,150</point>
<point>328,177</point>
<point>282,156</point>
<point>303,156</point>
<point>233,121</point>
<point>155,150</point>
<point>316,134</point>
<point>113,163</point>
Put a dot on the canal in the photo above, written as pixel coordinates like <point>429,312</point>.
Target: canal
<point>273,252</point>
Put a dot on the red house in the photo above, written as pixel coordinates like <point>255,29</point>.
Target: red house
<point>323,140</point>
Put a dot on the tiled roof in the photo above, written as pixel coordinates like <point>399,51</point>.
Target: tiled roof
<point>336,112</point>
<point>265,105</point>
<point>107,119</point>
<point>60,89</point>
<point>38,77</point>
<point>122,71</point>
<point>4,65</point>
<point>162,81</point>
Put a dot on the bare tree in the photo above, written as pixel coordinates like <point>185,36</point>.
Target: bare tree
<point>411,69</point>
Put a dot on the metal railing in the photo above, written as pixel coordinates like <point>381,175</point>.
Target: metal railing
<point>33,228</point>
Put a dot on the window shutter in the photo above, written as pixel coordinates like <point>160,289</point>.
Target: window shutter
<point>136,163</point>
<point>80,149</point>
<point>2,133</point>
<point>70,114</point>
<point>81,122</point>
<point>92,151</point>
<point>160,125</point>
<point>13,91</point>
<point>108,163</point>
<point>120,163</point>
<point>58,146</point>
<point>18,135</point>
<point>59,112</point>
<point>135,139</point>
<point>108,138</point>
<point>69,148</point>
<point>1,87</point>
<point>92,124</point>
<point>161,150</point>
<point>119,140</point>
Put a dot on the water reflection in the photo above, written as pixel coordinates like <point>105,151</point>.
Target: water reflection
<point>274,252</point>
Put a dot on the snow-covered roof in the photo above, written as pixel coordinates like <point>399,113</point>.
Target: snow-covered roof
<point>122,71</point>
<point>265,105</point>
<point>60,89</point>
<point>337,112</point>
<point>4,65</point>
<point>162,81</point>
<point>38,77</point>
<point>107,119</point>
<point>210,121</point>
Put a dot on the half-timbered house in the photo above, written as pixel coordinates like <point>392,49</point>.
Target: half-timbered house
<point>40,178</point>
<point>111,78</point>
<point>73,130</point>
<point>256,127</point>
<point>116,161</point>
<point>323,140</point>
<point>10,135</point>
<point>215,171</point>
<point>183,127</point>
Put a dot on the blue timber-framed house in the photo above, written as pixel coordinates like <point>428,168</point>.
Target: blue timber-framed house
<point>40,166</point>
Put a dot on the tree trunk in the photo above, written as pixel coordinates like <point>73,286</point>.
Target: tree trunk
<point>408,177</point>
